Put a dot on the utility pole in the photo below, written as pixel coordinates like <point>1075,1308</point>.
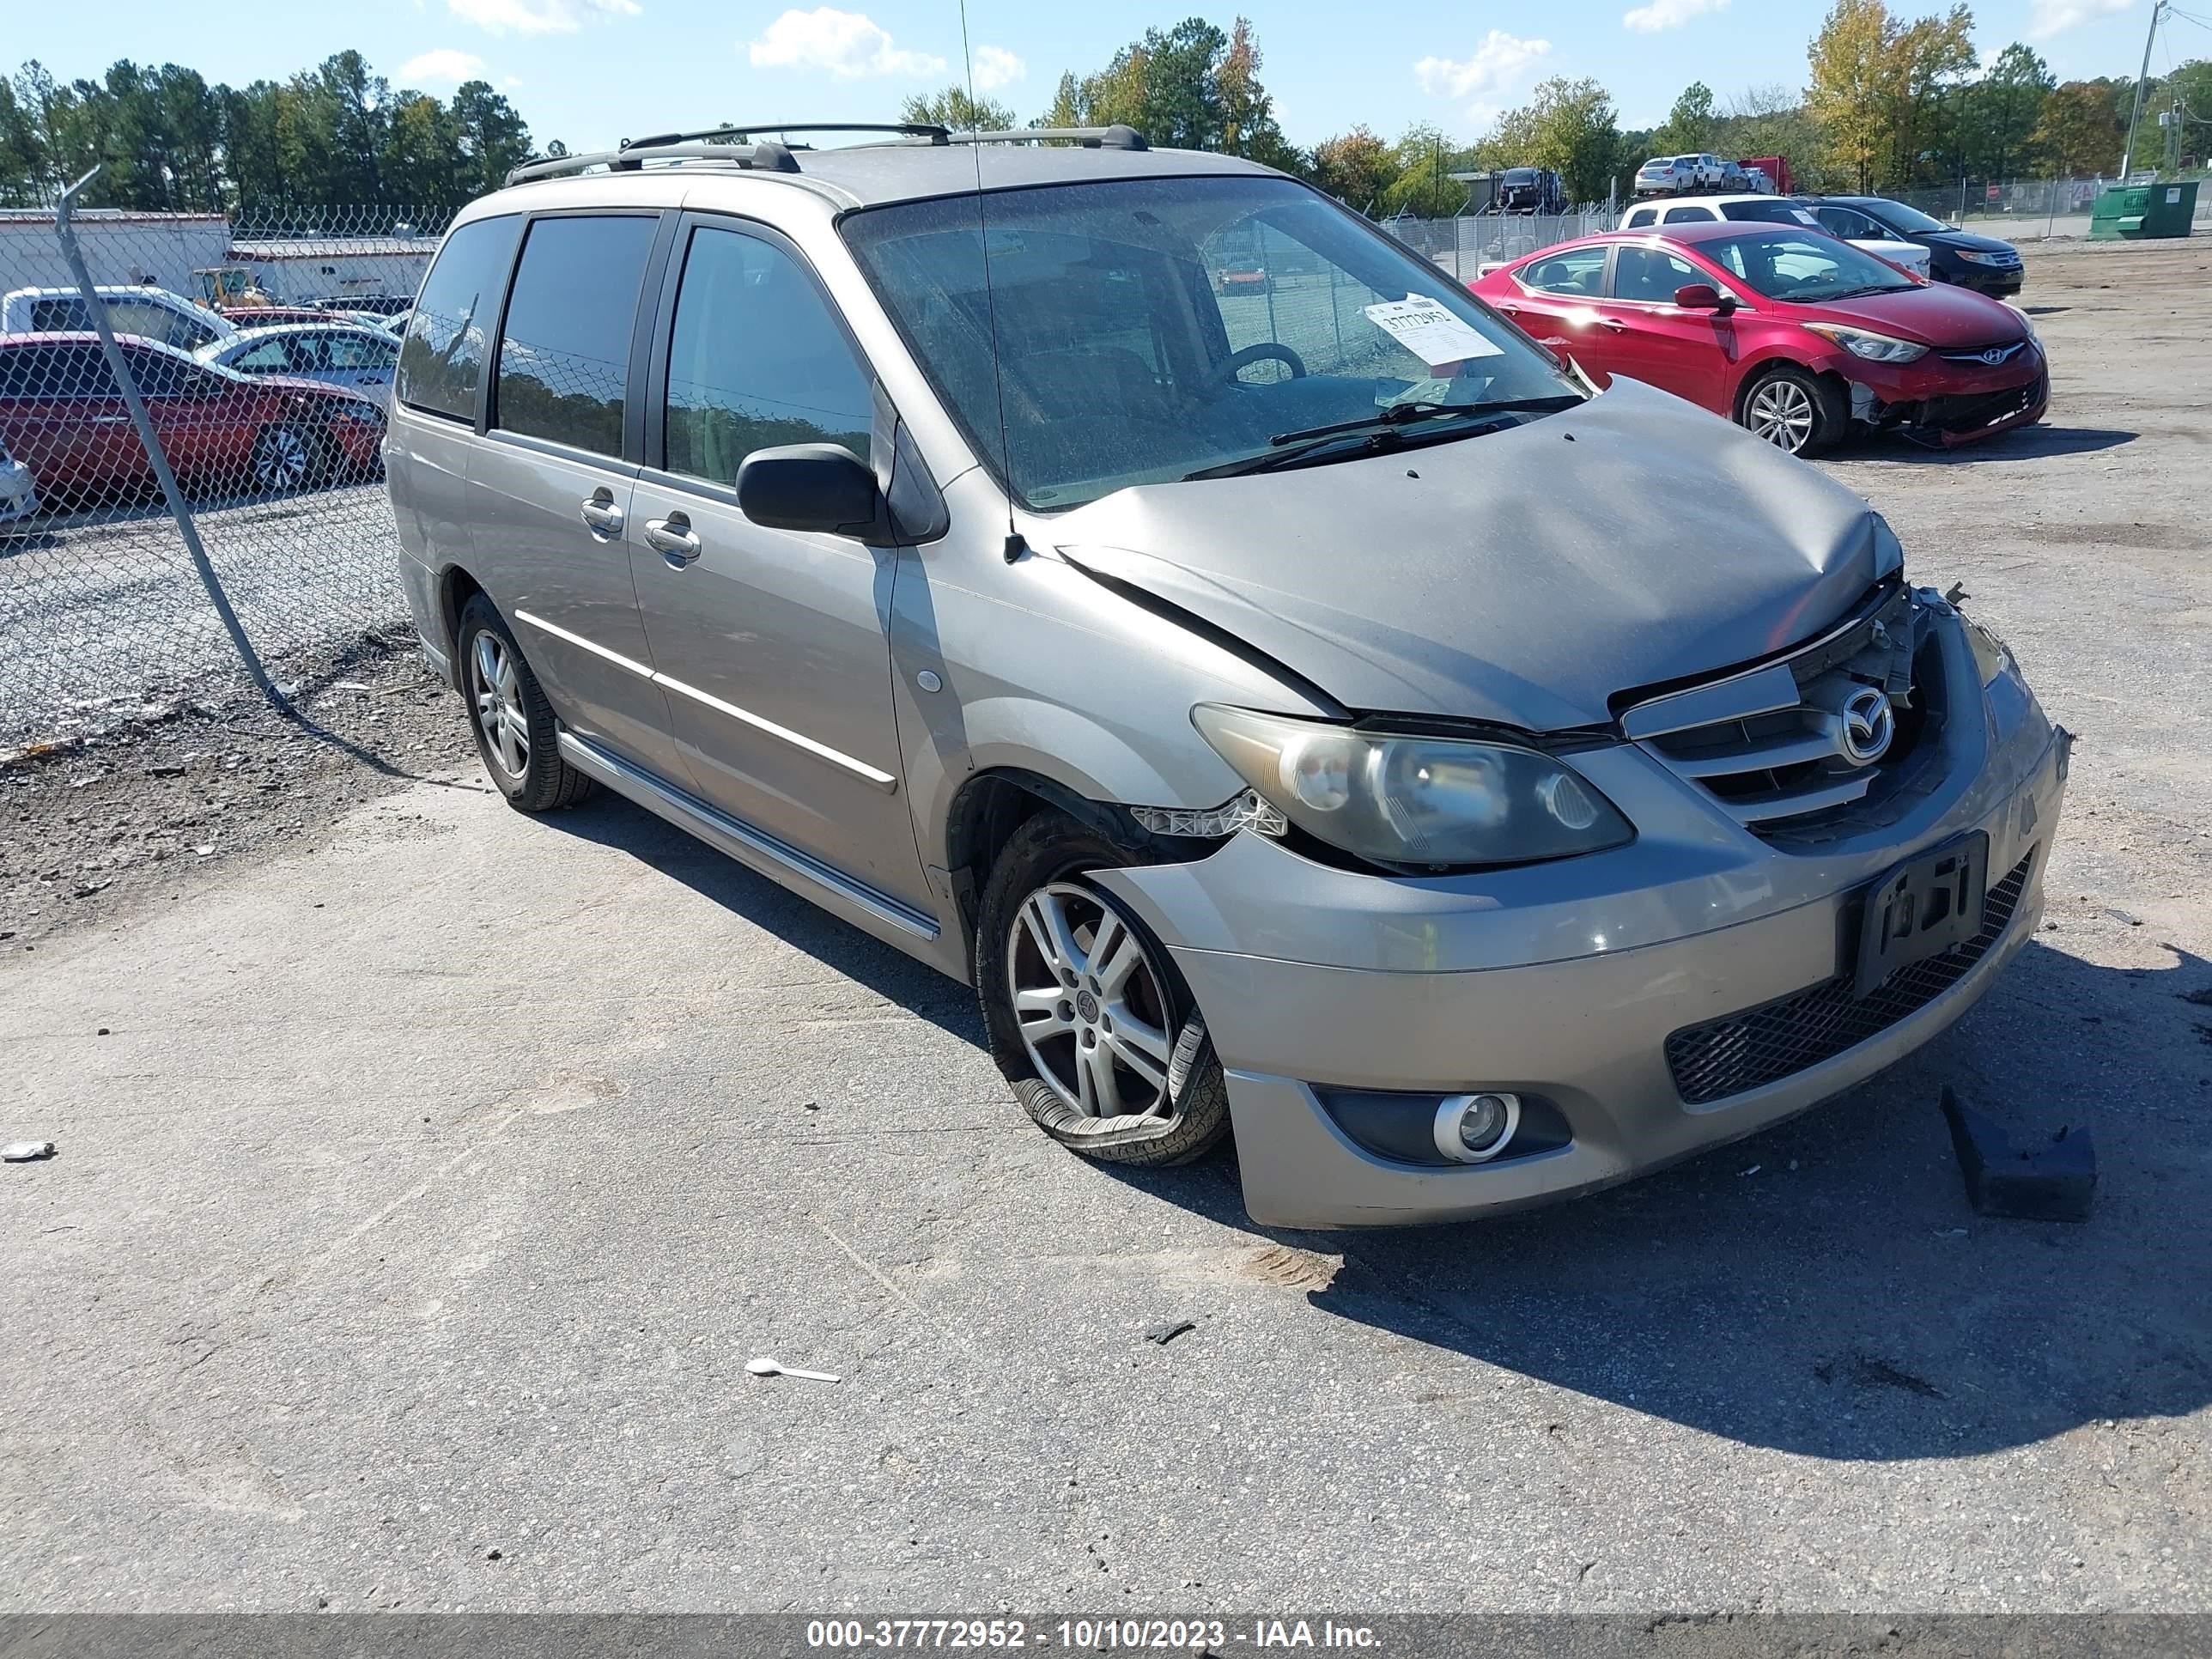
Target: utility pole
<point>2127,155</point>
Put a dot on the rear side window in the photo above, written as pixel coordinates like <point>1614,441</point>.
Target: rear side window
<point>443,362</point>
<point>61,371</point>
<point>356,351</point>
<point>1581,272</point>
<point>565,357</point>
<point>1771,213</point>
<point>1641,216</point>
<point>755,360</point>
<point>268,358</point>
<point>58,316</point>
<point>1688,215</point>
<point>1649,275</point>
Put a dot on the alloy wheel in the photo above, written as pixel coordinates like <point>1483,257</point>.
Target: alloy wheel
<point>1781,411</point>
<point>1089,1003</point>
<point>496,691</point>
<point>280,458</point>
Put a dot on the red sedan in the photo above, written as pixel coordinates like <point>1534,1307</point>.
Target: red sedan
<point>62,415</point>
<point>1782,328</point>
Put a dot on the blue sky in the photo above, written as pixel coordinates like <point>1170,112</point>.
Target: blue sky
<point>591,71</point>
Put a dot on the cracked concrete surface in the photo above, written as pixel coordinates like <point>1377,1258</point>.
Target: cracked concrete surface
<point>416,1218</point>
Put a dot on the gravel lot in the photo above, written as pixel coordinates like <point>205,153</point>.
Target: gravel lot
<point>430,1174</point>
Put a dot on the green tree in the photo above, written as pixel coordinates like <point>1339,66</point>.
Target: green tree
<point>1573,132</point>
<point>954,108</point>
<point>2003,109</point>
<point>1355,166</point>
<point>494,138</point>
<point>1689,123</point>
<point>1849,93</point>
<point>1191,86</point>
<point>2078,132</point>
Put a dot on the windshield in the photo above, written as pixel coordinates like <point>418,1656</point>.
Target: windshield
<point>1150,329</point>
<point>1910,220</point>
<point>1804,266</point>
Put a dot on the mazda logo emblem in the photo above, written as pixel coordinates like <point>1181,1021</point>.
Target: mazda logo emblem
<point>1869,726</point>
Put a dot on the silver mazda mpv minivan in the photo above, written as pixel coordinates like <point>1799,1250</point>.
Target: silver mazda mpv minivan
<point>1298,706</point>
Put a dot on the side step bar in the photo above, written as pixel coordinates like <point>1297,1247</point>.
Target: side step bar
<point>755,849</point>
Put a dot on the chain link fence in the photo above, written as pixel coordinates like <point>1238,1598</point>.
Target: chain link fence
<point>1466,246</point>
<point>262,356</point>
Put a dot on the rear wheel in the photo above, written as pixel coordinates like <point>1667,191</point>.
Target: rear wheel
<point>1087,1017</point>
<point>1796,412</point>
<point>516,730</point>
<point>283,457</point>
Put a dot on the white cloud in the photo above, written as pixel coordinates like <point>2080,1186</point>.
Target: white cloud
<point>848,44</point>
<point>445,67</point>
<point>2048,17</point>
<point>1668,14</point>
<point>538,17</point>
<point>996,67</point>
<point>1498,63</point>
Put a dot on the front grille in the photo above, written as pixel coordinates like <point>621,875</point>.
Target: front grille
<point>1783,760</point>
<point>1971,413</point>
<point>1746,1051</point>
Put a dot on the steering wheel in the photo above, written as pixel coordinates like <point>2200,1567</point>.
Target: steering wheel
<point>1263,352</point>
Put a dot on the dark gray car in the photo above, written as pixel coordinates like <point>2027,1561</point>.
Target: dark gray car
<point>1313,711</point>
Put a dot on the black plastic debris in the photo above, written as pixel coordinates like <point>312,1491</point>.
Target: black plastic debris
<point>1163,1335</point>
<point>2055,1181</point>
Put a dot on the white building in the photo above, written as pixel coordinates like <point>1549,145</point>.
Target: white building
<point>164,249</point>
<point>295,270</point>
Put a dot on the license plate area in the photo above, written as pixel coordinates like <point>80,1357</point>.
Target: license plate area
<point>1922,908</point>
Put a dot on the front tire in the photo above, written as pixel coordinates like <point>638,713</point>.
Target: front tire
<point>1086,1015</point>
<point>1798,413</point>
<point>516,730</point>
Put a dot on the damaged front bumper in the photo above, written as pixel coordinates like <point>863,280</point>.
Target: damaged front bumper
<point>1644,1005</point>
<point>1951,404</point>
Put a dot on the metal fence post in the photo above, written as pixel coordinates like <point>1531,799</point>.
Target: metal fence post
<point>97,310</point>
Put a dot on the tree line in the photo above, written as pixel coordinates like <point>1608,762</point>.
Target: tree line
<point>1889,103</point>
<point>337,136</point>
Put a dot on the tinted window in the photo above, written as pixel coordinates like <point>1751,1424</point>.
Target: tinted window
<point>159,376</point>
<point>1845,223</point>
<point>1648,275</point>
<point>564,358</point>
<point>1582,271</point>
<point>59,316</point>
<point>442,361</point>
<point>1770,213</point>
<point>1689,216</point>
<point>357,351</point>
<point>756,360</point>
<point>1641,216</point>
<point>63,371</point>
<point>269,357</point>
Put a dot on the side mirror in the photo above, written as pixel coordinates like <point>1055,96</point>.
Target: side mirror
<point>821,488</point>
<point>1704,296</point>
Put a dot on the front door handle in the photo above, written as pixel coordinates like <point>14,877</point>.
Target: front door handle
<point>1614,324</point>
<point>601,514</point>
<point>672,538</point>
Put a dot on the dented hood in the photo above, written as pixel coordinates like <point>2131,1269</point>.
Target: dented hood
<point>1521,577</point>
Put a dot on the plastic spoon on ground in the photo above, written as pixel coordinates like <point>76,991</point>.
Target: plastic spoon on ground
<point>766,1367</point>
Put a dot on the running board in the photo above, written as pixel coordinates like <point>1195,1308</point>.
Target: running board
<point>753,847</point>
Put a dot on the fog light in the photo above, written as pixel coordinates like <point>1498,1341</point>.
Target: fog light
<point>1476,1128</point>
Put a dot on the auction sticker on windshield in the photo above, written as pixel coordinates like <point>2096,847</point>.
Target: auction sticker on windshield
<point>1426,328</point>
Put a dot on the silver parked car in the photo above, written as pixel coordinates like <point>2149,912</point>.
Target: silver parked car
<point>335,353</point>
<point>1313,712</point>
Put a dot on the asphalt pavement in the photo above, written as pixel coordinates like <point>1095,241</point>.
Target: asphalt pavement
<point>423,1193</point>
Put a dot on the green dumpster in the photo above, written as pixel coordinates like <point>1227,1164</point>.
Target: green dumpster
<point>2134,210</point>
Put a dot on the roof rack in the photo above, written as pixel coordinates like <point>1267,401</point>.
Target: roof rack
<point>1116,137</point>
<point>710,144</point>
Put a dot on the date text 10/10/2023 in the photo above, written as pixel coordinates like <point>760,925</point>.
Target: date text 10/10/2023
<point>1091,1635</point>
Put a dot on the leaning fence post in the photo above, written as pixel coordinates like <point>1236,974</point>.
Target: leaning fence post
<point>97,310</point>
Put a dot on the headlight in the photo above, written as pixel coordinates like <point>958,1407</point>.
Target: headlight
<point>1974,258</point>
<point>1876,348</point>
<point>1992,656</point>
<point>1431,803</point>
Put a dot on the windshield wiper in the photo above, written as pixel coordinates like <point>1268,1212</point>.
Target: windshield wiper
<point>1381,430</point>
<point>1871,288</point>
